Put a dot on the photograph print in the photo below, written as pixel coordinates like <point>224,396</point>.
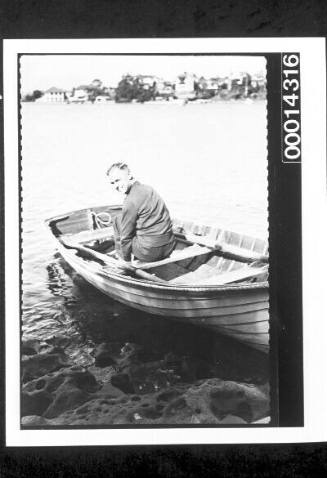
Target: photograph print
<point>144,242</point>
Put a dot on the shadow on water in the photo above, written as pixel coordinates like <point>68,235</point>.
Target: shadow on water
<point>98,319</point>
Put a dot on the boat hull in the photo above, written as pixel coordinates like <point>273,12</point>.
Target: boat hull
<point>240,312</point>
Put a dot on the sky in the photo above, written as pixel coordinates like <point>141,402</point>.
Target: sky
<point>68,71</point>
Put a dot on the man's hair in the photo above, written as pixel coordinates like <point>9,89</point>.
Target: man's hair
<point>120,165</point>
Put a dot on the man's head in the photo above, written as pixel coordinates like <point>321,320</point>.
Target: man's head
<point>120,177</point>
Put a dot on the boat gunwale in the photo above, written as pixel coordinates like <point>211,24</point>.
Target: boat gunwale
<point>69,213</point>
<point>148,284</point>
<point>167,286</point>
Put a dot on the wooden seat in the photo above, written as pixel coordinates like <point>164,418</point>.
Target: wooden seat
<point>92,235</point>
<point>176,255</point>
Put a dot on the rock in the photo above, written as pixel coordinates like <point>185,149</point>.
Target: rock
<point>176,405</point>
<point>67,397</point>
<point>167,395</point>
<point>104,360</point>
<point>114,348</point>
<point>102,374</point>
<point>228,400</point>
<point>103,355</point>
<point>53,394</point>
<point>262,421</point>
<point>48,383</point>
<point>130,349</point>
<point>195,419</point>
<point>123,382</point>
<point>41,364</point>
<point>35,403</point>
<point>72,391</point>
<point>34,421</point>
<point>109,391</point>
<point>242,400</point>
<point>94,412</point>
<point>232,420</point>
<point>150,376</point>
<point>91,412</point>
<point>216,401</point>
<point>152,413</point>
<point>81,379</point>
<point>37,384</point>
<point>129,354</point>
<point>135,398</point>
<point>54,381</point>
<point>130,384</point>
<point>30,347</point>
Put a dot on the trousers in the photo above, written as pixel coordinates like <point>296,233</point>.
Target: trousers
<point>141,251</point>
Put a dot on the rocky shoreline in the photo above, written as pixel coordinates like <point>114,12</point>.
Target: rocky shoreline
<point>124,385</point>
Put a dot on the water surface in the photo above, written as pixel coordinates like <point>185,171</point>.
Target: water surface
<point>208,161</point>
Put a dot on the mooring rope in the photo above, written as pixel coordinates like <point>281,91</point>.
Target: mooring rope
<point>103,219</point>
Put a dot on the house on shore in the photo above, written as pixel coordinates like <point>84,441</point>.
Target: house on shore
<point>258,84</point>
<point>206,88</point>
<point>101,99</point>
<point>185,86</point>
<point>93,92</point>
<point>53,95</point>
<point>165,89</point>
<point>80,94</point>
<point>147,81</point>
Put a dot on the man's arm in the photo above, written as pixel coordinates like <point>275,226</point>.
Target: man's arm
<point>128,229</point>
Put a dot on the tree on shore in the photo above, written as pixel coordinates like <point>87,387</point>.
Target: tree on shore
<point>95,89</point>
<point>34,96</point>
<point>132,88</point>
<point>126,90</point>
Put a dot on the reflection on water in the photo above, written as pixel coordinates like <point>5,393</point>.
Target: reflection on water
<point>57,281</point>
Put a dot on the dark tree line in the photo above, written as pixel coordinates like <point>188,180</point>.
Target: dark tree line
<point>34,96</point>
<point>132,88</point>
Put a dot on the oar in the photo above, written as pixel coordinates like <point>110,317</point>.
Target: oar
<point>228,250</point>
<point>104,259</point>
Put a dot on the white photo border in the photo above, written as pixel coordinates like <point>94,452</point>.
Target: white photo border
<point>313,117</point>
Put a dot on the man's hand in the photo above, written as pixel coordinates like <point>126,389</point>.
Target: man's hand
<point>121,262</point>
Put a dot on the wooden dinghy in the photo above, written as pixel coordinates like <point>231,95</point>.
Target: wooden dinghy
<point>214,278</point>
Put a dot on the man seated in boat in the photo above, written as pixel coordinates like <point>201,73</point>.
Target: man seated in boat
<point>144,227</point>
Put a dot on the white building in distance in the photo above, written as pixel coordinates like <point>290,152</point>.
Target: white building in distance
<point>54,95</point>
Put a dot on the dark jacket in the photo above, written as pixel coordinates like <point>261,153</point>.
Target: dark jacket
<point>146,218</point>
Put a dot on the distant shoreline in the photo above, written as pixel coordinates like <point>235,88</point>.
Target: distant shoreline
<point>180,102</point>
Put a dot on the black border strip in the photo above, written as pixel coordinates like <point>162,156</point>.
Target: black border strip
<point>2,270</point>
<point>285,246</point>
